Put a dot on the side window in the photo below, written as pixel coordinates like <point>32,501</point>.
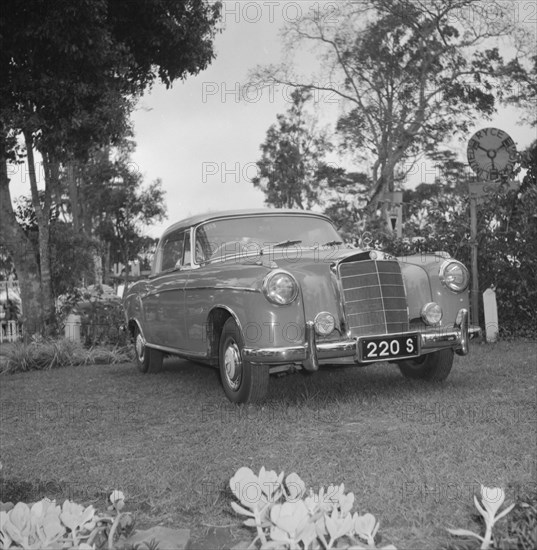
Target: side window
<point>187,258</point>
<point>172,251</point>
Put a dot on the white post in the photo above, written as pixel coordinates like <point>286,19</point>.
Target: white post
<point>491,314</point>
<point>72,327</point>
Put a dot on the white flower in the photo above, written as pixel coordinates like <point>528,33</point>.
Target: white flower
<point>116,495</point>
<point>117,498</point>
<point>75,516</point>
<point>366,527</point>
<point>296,488</point>
<point>289,519</point>
<point>245,486</point>
<point>492,498</point>
<point>270,483</point>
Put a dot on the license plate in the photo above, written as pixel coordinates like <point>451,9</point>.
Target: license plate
<point>385,348</point>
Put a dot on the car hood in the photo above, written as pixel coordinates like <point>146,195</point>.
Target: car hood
<point>291,257</point>
<point>319,284</point>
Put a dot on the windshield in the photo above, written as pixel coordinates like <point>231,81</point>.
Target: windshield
<point>244,235</point>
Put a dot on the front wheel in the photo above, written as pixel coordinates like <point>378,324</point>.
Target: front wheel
<point>146,359</point>
<point>242,381</point>
<point>434,367</point>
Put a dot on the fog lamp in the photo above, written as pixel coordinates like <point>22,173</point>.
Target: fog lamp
<point>324,323</point>
<point>431,313</point>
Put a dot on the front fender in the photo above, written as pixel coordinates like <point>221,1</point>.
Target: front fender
<point>422,283</point>
<point>264,324</point>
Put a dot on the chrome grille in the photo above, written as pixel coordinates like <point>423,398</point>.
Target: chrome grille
<point>374,296</point>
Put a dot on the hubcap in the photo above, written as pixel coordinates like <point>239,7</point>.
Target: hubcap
<point>140,347</point>
<point>233,365</point>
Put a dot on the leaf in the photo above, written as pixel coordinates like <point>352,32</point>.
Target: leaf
<point>251,522</point>
<point>4,537</point>
<point>19,524</point>
<point>240,510</point>
<point>464,533</point>
<point>331,526</point>
<point>295,486</point>
<point>504,512</point>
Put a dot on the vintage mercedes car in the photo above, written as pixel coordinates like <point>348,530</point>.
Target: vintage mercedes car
<point>262,291</point>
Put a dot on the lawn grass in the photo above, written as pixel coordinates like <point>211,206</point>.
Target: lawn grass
<point>413,453</point>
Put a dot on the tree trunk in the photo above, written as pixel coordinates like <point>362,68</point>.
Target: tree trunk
<point>20,248</point>
<point>98,265</point>
<point>42,213</point>
<point>73,194</point>
<point>107,263</point>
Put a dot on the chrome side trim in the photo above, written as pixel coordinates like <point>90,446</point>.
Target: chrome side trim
<point>223,287</point>
<point>179,352</point>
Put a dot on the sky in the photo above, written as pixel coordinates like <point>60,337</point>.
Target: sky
<point>202,141</point>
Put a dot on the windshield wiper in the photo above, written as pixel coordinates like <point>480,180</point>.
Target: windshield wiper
<point>286,243</point>
<point>332,243</point>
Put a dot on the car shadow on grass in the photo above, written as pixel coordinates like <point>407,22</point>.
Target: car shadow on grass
<point>328,385</point>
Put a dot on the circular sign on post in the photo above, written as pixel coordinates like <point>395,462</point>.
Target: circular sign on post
<point>491,153</point>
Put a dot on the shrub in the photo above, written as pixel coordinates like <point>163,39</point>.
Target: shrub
<point>101,315</point>
<point>44,354</point>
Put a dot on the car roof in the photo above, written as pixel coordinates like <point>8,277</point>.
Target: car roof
<point>222,214</point>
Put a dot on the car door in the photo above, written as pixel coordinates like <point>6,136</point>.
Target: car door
<point>166,298</point>
<point>199,298</point>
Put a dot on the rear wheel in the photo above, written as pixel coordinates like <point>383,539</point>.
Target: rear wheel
<point>242,381</point>
<point>434,367</point>
<point>146,359</point>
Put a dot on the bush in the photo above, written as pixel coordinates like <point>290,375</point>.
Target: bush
<point>101,323</point>
<point>101,315</point>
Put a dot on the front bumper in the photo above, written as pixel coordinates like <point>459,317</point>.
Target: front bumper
<point>312,353</point>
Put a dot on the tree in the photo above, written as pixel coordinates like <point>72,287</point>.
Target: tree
<point>292,165</point>
<point>409,73</point>
<point>521,86</point>
<point>121,208</point>
<point>344,197</point>
<point>71,251</point>
<point>69,77</point>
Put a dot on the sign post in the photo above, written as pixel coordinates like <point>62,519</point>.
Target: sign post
<point>474,292</point>
<point>491,154</point>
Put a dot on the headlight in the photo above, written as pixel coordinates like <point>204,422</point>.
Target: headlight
<point>280,288</point>
<point>431,313</point>
<point>454,276</point>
